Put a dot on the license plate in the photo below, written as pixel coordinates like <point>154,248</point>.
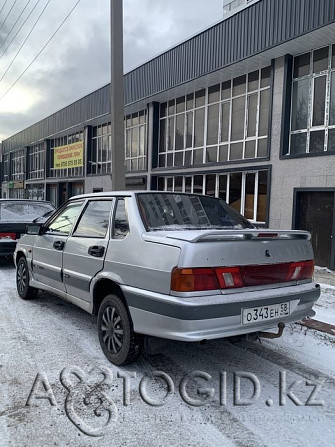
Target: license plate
<point>264,313</point>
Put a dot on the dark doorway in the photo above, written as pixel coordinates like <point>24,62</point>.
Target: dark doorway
<point>314,212</point>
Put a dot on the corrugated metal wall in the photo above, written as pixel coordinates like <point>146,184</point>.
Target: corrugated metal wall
<point>261,26</point>
<point>253,30</point>
<point>93,105</point>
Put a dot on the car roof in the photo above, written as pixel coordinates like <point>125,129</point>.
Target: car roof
<point>104,194</point>
<point>127,194</point>
<point>25,200</point>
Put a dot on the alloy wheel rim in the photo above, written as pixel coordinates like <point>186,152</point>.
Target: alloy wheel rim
<point>21,278</point>
<point>112,330</point>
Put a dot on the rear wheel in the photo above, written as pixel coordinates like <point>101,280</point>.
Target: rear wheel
<point>118,341</point>
<point>22,281</point>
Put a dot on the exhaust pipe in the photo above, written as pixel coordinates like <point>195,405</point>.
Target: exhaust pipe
<point>271,335</point>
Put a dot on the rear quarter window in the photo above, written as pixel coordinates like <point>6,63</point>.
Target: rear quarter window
<point>121,224</point>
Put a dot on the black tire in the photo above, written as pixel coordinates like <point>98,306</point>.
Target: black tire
<point>118,341</point>
<point>22,281</point>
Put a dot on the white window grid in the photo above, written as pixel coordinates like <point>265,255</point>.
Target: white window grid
<point>36,162</point>
<point>17,193</point>
<point>101,155</point>
<point>5,164</point>
<point>171,119</point>
<point>67,172</point>
<point>18,163</point>
<point>311,76</point>
<point>179,184</point>
<point>136,141</point>
<point>35,192</point>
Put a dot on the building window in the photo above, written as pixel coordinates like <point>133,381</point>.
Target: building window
<point>66,172</point>
<point>18,165</point>
<point>5,167</point>
<point>226,122</point>
<point>313,102</point>
<point>35,191</point>
<point>101,153</point>
<point>246,192</point>
<point>36,162</point>
<point>17,193</point>
<point>136,141</point>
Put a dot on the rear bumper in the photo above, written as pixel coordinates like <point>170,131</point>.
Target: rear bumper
<point>218,316</point>
<point>7,247</point>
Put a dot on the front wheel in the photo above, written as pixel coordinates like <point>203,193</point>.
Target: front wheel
<point>118,341</point>
<point>22,281</point>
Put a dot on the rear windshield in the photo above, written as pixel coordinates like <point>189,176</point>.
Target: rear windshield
<point>161,211</point>
<point>22,211</point>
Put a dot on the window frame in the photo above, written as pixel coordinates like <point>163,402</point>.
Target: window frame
<point>138,121</point>
<point>18,165</point>
<point>117,200</point>
<point>286,151</point>
<point>169,185</point>
<point>167,157</point>
<point>36,162</point>
<point>97,166</point>
<point>87,203</point>
<point>49,222</point>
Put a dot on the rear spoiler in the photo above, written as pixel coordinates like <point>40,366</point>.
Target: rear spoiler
<point>240,235</point>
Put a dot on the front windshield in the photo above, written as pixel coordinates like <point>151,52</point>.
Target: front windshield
<point>168,211</point>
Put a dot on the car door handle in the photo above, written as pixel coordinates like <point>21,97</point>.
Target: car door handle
<point>59,245</point>
<point>96,250</point>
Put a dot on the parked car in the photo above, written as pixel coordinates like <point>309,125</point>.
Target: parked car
<point>172,265</point>
<point>15,215</point>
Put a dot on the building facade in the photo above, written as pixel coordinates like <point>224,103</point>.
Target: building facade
<point>244,111</point>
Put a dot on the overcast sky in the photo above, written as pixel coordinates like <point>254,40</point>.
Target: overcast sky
<point>77,60</point>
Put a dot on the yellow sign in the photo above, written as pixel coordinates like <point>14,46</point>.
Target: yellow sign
<point>69,156</point>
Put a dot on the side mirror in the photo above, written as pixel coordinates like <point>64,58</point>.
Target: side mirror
<point>35,229</point>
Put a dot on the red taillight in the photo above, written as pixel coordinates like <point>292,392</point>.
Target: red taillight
<point>202,279</point>
<point>255,275</point>
<point>267,235</point>
<point>198,279</point>
<point>193,280</point>
<point>229,277</point>
<point>8,236</point>
<point>300,270</point>
<point>294,271</point>
<point>307,270</point>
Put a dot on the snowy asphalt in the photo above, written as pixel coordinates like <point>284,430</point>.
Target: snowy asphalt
<point>57,388</point>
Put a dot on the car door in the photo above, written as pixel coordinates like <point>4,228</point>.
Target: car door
<point>85,249</point>
<point>48,249</point>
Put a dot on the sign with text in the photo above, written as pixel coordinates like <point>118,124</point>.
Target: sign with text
<point>69,156</point>
<point>15,185</point>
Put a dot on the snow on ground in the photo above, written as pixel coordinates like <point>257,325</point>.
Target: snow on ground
<point>325,306</point>
<point>323,269</point>
<point>55,343</point>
